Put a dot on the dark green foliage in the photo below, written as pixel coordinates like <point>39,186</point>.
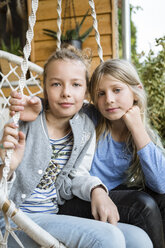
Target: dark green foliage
<point>152,73</point>
<point>72,34</point>
<point>14,46</point>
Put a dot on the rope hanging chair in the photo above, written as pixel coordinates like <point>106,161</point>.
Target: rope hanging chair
<point>39,235</point>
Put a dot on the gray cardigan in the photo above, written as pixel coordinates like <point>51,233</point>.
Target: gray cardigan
<point>74,178</point>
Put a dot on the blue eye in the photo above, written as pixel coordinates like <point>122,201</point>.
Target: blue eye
<point>101,93</point>
<point>117,90</point>
<point>56,84</point>
<point>76,84</point>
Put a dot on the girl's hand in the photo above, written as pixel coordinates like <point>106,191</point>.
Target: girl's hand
<point>103,208</point>
<point>28,106</point>
<point>132,118</point>
<point>133,121</point>
<point>13,139</point>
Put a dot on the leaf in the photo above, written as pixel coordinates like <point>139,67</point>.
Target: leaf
<point>82,21</point>
<point>86,34</point>
<point>71,34</point>
<point>50,33</point>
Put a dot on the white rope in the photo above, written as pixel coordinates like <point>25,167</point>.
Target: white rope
<point>27,47</point>
<point>11,231</point>
<point>95,26</point>
<point>10,76</point>
<point>24,67</point>
<point>22,83</point>
<point>59,10</point>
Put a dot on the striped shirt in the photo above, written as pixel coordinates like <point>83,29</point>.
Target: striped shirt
<point>44,198</point>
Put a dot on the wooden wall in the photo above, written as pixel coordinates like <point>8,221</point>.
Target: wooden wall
<point>43,45</point>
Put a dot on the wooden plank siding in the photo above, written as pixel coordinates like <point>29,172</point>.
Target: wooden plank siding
<point>43,45</point>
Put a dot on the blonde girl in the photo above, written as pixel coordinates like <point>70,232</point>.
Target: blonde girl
<point>129,153</point>
<point>118,94</point>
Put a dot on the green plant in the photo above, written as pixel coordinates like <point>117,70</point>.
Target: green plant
<point>152,73</point>
<point>72,34</point>
<point>14,46</point>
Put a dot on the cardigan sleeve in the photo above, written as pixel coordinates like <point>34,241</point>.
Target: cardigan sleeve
<point>10,182</point>
<point>82,181</point>
<point>153,165</point>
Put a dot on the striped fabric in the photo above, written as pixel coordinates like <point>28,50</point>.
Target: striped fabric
<point>44,197</point>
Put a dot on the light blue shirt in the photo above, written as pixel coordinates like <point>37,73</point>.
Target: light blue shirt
<point>110,162</point>
<point>112,159</point>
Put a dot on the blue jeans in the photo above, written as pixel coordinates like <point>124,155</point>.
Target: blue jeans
<point>77,232</point>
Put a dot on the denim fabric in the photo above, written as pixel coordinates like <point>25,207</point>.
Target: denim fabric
<point>77,232</point>
<point>135,237</point>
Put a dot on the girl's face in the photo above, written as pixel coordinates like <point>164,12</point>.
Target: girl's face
<point>65,87</point>
<point>114,98</point>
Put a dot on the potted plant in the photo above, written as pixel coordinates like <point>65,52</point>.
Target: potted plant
<point>14,47</point>
<point>72,36</point>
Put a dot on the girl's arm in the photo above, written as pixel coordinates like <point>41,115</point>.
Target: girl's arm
<point>133,121</point>
<point>82,181</point>
<point>91,188</point>
<point>29,107</point>
<point>152,158</point>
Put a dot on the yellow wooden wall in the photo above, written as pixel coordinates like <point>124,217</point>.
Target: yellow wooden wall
<point>43,45</point>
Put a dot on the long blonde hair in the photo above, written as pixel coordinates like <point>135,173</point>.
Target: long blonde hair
<point>125,72</point>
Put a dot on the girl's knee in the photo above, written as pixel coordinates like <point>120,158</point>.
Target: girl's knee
<point>135,236</point>
<point>145,204</point>
<point>110,236</point>
<point>146,199</point>
<point>140,239</point>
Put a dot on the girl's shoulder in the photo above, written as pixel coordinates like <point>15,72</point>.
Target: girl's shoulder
<point>91,111</point>
<point>82,121</point>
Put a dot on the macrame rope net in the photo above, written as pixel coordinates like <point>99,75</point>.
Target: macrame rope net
<point>8,208</point>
